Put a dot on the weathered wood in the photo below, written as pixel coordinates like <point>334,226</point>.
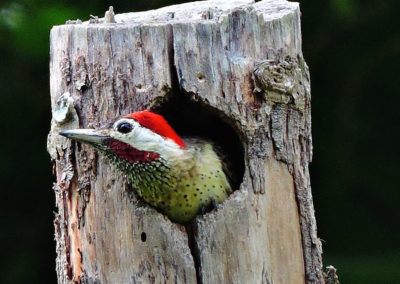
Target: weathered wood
<point>241,58</point>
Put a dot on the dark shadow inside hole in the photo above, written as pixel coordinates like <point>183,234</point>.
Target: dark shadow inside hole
<point>189,116</point>
<point>143,237</point>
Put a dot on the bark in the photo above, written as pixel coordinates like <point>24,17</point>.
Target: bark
<point>239,59</point>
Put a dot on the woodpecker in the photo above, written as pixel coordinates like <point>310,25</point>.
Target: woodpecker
<point>178,176</point>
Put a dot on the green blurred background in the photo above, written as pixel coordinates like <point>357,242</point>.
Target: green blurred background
<point>353,50</point>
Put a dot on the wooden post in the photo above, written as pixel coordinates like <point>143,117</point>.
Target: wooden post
<point>237,62</point>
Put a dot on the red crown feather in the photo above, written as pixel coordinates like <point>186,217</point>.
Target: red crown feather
<point>157,124</point>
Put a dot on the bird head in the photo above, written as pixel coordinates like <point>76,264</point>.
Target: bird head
<point>137,137</point>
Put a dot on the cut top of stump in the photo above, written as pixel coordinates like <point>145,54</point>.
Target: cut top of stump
<point>213,11</point>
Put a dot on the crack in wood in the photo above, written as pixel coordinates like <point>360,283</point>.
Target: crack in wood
<point>175,85</point>
<point>191,234</point>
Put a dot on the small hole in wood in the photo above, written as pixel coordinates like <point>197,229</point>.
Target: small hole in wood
<point>143,237</point>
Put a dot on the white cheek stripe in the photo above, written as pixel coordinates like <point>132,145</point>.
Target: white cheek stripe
<point>144,139</point>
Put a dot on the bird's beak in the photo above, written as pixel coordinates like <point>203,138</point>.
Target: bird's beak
<point>92,136</point>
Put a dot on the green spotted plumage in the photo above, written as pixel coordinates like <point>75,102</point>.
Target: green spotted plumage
<point>179,189</point>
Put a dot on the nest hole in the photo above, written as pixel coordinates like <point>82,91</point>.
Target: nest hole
<point>192,117</point>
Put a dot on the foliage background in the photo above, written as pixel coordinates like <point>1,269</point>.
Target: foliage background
<point>353,50</point>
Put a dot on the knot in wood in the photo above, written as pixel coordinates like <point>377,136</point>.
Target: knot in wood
<point>276,79</point>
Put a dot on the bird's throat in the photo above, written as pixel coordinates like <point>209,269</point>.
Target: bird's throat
<point>148,174</point>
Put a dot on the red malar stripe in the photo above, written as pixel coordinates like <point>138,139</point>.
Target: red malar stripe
<point>131,154</point>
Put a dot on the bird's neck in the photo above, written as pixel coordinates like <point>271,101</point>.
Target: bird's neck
<point>150,172</point>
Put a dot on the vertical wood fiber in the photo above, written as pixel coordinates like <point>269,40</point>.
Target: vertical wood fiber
<point>241,58</point>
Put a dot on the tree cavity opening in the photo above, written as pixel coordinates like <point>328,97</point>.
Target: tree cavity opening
<point>190,116</point>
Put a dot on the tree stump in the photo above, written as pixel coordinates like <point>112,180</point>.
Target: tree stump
<point>230,70</point>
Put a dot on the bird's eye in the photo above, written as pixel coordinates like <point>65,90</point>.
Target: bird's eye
<point>124,127</point>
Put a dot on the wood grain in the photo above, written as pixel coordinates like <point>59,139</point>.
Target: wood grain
<point>240,58</point>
